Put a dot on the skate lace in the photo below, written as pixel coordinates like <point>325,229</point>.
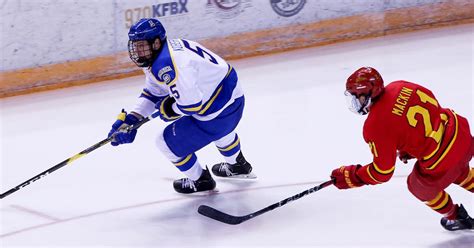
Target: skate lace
<point>224,168</point>
<point>188,183</point>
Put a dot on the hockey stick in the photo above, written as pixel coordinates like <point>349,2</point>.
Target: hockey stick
<point>234,220</point>
<point>77,156</point>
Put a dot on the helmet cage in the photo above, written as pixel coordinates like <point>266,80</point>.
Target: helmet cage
<point>366,82</point>
<point>143,52</point>
<point>146,38</point>
<point>355,105</point>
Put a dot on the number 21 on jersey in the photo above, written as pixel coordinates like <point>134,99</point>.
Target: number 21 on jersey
<point>425,114</point>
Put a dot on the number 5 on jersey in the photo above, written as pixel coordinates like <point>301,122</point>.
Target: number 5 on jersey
<point>199,51</point>
<point>174,91</point>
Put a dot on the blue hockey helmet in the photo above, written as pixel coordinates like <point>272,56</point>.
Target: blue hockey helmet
<point>147,29</point>
<point>145,40</point>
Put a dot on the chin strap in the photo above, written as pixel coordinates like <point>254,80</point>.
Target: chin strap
<point>356,106</point>
<point>364,108</point>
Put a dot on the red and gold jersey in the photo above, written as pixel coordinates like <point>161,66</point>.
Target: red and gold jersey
<point>406,117</point>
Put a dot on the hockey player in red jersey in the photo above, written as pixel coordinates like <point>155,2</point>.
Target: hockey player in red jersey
<point>405,119</point>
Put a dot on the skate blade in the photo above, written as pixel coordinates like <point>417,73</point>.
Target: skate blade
<point>250,176</point>
<point>201,193</point>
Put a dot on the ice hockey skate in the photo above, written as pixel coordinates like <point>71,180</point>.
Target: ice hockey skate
<point>462,221</point>
<point>205,183</point>
<point>241,169</point>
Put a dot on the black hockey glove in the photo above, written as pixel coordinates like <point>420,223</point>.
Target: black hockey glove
<point>165,108</point>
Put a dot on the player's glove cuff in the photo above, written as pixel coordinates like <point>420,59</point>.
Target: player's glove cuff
<point>345,177</point>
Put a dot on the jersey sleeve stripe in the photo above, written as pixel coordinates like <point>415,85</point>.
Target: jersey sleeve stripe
<point>383,172</point>
<point>147,95</point>
<point>371,176</point>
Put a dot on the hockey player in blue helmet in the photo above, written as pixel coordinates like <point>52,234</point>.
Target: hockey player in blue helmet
<point>145,41</point>
<point>198,92</point>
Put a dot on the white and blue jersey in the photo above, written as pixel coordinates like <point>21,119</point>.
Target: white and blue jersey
<point>202,83</point>
<point>208,96</point>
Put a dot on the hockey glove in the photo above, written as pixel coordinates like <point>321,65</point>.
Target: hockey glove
<point>165,108</point>
<point>404,156</point>
<point>120,135</point>
<point>345,177</point>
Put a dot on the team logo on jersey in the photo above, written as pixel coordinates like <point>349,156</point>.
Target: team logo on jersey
<point>166,78</point>
<point>164,70</point>
<point>227,9</point>
<point>287,8</point>
<point>164,75</point>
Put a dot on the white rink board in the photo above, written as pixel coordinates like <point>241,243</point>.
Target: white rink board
<point>44,32</point>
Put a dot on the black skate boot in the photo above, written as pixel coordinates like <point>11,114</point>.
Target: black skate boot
<point>241,169</point>
<point>462,221</point>
<point>188,186</point>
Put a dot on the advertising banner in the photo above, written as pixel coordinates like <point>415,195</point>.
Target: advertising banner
<point>42,32</point>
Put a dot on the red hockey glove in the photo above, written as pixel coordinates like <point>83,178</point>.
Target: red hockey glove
<point>404,156</point>
<point>345,177</point>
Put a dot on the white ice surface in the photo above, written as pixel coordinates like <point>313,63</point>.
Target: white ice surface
<point>295,130</point>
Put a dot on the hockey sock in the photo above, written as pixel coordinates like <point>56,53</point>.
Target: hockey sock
<point>231,150</point>
<point>190,166</point>
<point>443,204</point>
<point>467,181</point>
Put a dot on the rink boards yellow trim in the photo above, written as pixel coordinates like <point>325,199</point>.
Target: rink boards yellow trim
<point>243,45</point>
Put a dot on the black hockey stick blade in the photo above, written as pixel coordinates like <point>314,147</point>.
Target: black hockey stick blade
<point>221,216</point>
<point>235,220</point>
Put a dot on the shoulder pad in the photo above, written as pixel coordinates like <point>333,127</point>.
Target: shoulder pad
<point>163,68</point>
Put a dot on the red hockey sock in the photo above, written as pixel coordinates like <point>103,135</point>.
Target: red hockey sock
<point>467,180</point>
<point>443,204</point>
